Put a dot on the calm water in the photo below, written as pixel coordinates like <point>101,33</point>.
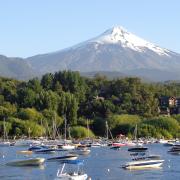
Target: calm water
<point>102,163</point>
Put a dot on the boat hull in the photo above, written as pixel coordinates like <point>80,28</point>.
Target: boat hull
<point>62,158</point>
<point>72,177</point>
<point>5,144</point>
<point>144,164</point>
<point>27,162</point>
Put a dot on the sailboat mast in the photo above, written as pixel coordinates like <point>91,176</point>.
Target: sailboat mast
<point>87,127</point>
<point>135,133</point>
<point>65,124</point>
<point>4,129</point>
<point>107,137</point>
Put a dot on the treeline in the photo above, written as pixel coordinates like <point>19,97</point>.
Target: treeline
<point>38,107</point>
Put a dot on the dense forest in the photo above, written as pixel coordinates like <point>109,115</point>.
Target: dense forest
<point>38,107</point>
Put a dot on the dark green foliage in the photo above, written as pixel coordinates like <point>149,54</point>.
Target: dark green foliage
<point>38,104</point>
<point>81,132</point>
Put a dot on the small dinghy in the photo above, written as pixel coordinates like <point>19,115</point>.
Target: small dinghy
<point>62,158</point>
<point>27,162</point>
<point>143,164</point>
<point>77,174</point>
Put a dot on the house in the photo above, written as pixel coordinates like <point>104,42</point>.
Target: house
<point>169,105</point>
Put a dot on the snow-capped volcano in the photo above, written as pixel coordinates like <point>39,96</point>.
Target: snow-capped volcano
<point>114,50</point>
<point>119,35</point>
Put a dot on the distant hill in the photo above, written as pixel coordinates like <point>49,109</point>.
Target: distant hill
<point>15,68</point>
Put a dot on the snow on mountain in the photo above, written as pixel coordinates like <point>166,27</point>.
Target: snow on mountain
<point>119,35</point>
<point>114,50</point>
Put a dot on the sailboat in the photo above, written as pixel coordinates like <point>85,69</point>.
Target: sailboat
<point>138,147</point>
<point>5,141</point>
<point>66,146</point>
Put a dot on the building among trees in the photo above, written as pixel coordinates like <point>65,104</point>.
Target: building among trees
<point>169,105</point>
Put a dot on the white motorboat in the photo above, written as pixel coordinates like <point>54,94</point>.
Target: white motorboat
<point>27,162</point>
<point>26,142</point>
<point>67,147</point>
<point>175,149</point>
<point>5,144</point>
<point>163,141</point>
<point>96,144</point>
<point>143,164</point>
<point>73,175</point>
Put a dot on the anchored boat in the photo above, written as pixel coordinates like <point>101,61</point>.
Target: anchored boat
<point>62,158</point>
<point>27,162</point>
<point>72,175</point>
<point>143,164</point>
<point>175,149</point>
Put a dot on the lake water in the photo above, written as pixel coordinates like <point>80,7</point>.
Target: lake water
<point>102,163</point>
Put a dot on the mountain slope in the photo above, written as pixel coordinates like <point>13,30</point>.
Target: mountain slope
<point>114,50</point>
<point>15,68</point>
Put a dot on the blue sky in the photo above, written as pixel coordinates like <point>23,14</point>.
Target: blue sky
<point>40,26</point>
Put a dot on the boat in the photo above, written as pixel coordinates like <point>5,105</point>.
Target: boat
<point>26,142</point>
<point>143,164</point>
<point>5,141</point>
<point>72,175</point>
<point>139,145</point>
<point>116,147</point>
<point>150,157</point>
<point>162,141</point>
<point>45,151</point>
<point>96,144</point>
<point>169,144</point>
<point>62,158</point>
<point>67,147</point>
<point>138,149</point>
<point>175,149</point>
<point>5,144</point>
<point>27,162</point>
<point>34,148</point>
<point>118,144</point>
<point>81,151</point>
<point>24,152</point>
